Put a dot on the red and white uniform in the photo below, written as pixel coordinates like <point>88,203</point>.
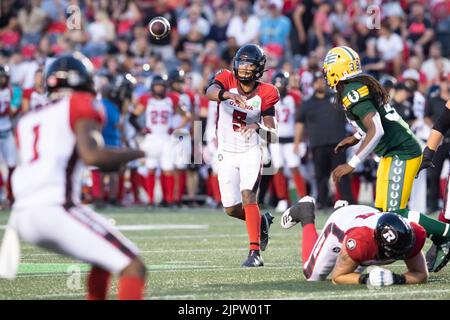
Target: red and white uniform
<point>158,144</point>
<point>181,139</point>
<point>282,153</point>
<point>240,157</point>
<point>36,99</point>
<point>47,210</point>
<point>7,146</point>
<point>354,227</point>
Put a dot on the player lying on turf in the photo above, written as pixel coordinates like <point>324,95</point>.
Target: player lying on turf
<point>354,237</point>
<point>246,113</point>
<point>55,142</point>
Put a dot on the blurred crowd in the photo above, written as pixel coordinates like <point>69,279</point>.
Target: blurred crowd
<point>404,44</point>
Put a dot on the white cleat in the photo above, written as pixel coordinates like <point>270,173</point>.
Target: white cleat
<point>282,206</point>
<point>303,208</point>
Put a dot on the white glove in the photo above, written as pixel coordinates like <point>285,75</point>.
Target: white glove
<point>379,277</point>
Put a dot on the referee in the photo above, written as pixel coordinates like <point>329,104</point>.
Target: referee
<point>324,125</point>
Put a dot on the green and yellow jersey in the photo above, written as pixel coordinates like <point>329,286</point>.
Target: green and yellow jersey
<point>398,139</point>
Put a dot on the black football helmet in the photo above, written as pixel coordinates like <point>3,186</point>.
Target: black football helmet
<point>158,80</point>
<point>247,55</point>
<point>4,76</point>
<point>281,80</point>
<point>394,236</point>
<point>72,71</point>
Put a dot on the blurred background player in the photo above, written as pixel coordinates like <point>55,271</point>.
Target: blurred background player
<point>7,145</point>
<point>320,122</point>
<point>243,102</point>
<point>35,97</point>
<point>283,154</point>
<point>159,109</point>
<point>47,210</point>
<point>355,237</point>
<point>182,138</point>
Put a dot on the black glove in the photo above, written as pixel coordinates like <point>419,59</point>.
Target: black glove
<point>427,160</point>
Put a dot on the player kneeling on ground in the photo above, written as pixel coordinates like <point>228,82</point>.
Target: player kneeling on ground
<point>355,237</point>
<point>55,142</point>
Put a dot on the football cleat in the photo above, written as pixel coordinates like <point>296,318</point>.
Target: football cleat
<point>266,221</point>
<point>254,259</point>
<point>302,211</point>
<point>438,256</point>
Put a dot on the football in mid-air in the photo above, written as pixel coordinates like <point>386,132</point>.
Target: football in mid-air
<point>159,27</point>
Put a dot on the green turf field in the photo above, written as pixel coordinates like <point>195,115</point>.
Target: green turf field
<point>196,254</point>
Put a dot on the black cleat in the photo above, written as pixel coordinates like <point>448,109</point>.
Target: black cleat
<point>302,211</point>
<point>438,256</point>
<point>266,221</point>
<point>254,259</point>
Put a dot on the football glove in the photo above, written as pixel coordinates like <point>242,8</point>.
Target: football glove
<point>380,277</point>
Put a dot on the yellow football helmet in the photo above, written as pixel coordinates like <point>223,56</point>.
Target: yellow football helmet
<point>341,63</point>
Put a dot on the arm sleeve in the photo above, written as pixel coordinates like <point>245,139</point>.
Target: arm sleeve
<point>270,98</point>
<point>84,106</point>
<point>223,78</point>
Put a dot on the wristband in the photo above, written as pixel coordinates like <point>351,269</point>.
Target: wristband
<point>354,161</point>
<point>220,95</point>
<point>358,136</point>
<point>363,278</point>
<point>399,278</point>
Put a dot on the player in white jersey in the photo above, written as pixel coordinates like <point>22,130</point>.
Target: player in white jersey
<point>159,110</point>
<point>242,102</point>
<point>357,236</point>
<point>7,146</point>
<point>56,142</point>
<point>283,154</point>
<point>35,97</point>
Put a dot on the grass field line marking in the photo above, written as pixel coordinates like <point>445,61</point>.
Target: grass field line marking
<point>143,227</point>
<point>200,236</point>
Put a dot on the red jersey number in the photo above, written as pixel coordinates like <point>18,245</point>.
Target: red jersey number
<point>283,115</point>
<point>239,119</point>
<point>159,117</point>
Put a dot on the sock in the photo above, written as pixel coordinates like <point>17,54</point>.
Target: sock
<point>150,187</point>
<point>135,178</point>
<point>96,184</point>
<point>120,188</point>
<point>442,217</point>
<point>170,185</point>
<point>215,188</point>
<point>131,288</point>
<point>431,226</point>
<point>98,283</point>
<point>300,184</point>
<point>181,185</point>
<point>8,185</point>
<point>162,179</point>
<point>309,238</point>
<point>253,221</point>
<point>279,181</point>
<point>355,186</point>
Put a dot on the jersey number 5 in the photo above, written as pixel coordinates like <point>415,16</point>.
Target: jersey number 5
<point>239,119</point>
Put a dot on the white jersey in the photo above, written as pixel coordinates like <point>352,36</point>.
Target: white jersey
<point>36,99</point>
<point>50,171</point>
<point>159,114</point>
<point>285,110</point>
<point>232,117</point>
<point>5,109</point>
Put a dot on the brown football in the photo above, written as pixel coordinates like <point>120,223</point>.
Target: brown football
<point>159,27</point>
